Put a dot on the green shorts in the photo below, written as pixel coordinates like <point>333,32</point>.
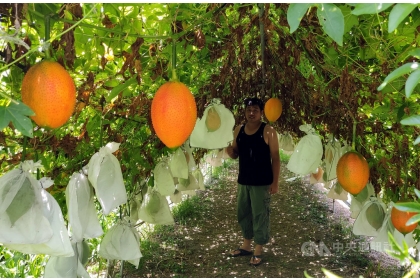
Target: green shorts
<point>254,212</point>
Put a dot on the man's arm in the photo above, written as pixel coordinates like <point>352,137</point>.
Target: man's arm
<point>232,149</point>
<point>273,143</point>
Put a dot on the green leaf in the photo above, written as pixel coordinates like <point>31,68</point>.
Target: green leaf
<point>408,206</point>
<point>17,113</point>
<point>307,274</point>
<point>295,13</point>
<point>413,220</point>
<point>329,274</point>
<point>116,90</point>
<point>402,70</point>
<point>415,53</point>
<point>417,192</point>
<point>370,8</point>
<point>396,248</point>
<point>350,20</point>
<point>416,142</point>
<point>331,19</point>
<point>412,82</point>
<point>412,120</point>
<point>112,83</point>
<point>398,13</point>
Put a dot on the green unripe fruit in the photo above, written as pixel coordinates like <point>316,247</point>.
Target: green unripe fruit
<point>375,215</point>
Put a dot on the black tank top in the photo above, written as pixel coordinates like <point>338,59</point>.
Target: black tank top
<point>254,158</point>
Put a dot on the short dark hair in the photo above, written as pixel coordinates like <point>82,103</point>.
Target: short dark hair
<point>252,101</point>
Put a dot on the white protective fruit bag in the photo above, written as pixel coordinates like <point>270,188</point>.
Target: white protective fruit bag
<point>59,244</point>
<point>189,156</point>
<point>155,209</point>
<point>286,142</point>
<point>357,201</point>
<point>163,179</point>
<point>178,164</point>
<point>121,242</point>
<point>176,197</point>
<point>134,208</point>
<point>371,217</point>
<point>332,155</point>
<point>67,267</point>
<point>22,219</point>
<point>105,176</point>
<point>214,158</point>
<point>188,184</point>
<point>84,222</point>
<point>307,154</point>
<point>214,129</point>
<point>200,178</point>
<point>337,192</point>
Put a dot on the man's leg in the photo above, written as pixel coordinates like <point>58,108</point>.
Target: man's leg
<point>244,213</point>
<point>260,201</point>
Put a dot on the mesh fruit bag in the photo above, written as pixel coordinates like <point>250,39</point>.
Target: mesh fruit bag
<point>22,219</point>
<point>307,154</point>
<point>82,214</point>
<point>105,175</point>
<point>371,218</point>
<point>121,242</point>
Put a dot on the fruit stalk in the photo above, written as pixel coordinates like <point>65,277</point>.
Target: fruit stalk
<point>353,144</point>
<point>174,76</point>
<point>47,35</point>
<point>25,141</point>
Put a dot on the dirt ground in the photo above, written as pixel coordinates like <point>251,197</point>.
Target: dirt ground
<point>303,219</point>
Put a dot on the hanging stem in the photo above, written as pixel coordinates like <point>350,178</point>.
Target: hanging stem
<point>47,35</point>
<point>102,102</point>
<point>353,143</point>
<point>261,14</point>
<point>25,142</point>
<point>37,170</point>
<point>174,76</point>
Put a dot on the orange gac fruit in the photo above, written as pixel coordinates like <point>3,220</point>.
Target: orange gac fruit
<point>174,113</point>
<point>49,91</point>
<point>272,109</point>
<point>352,172</point>
<point>399,219</point>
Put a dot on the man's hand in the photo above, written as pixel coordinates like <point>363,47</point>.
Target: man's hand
<point>231,152</point>
<point>274,188</point>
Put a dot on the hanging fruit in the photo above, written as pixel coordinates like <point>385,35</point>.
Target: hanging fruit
<point>213,121</point>
<point>316,177</point>
<point>375,215</point>
<point>352,172</point>
<point>49,91</point>
<point>273,109</point>
<point>174,113</point>
<point>399,219</point>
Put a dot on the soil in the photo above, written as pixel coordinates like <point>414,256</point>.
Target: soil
<point>302,218</point>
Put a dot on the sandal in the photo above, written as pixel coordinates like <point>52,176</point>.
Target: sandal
<point>242,252</point>
<point>256,257</point>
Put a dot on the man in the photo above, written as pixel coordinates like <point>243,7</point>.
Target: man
<point>256,145</point>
